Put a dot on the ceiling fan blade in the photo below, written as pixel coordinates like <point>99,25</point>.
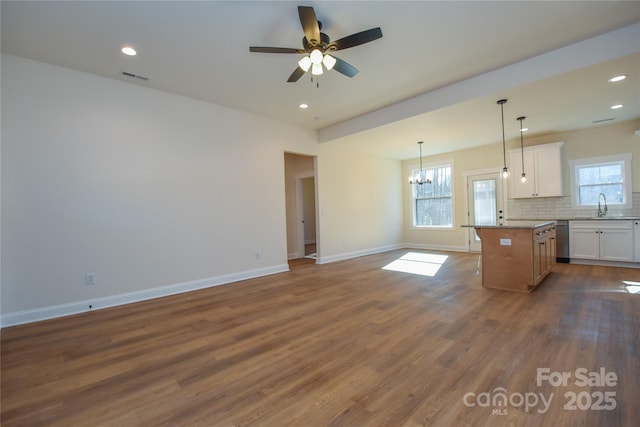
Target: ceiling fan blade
<point>275,49</point>
<point>295,76</point>
<point>345,68</point>
<point>309,23</point>
<point>356,39</point>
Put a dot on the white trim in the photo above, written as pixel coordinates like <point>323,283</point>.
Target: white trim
<point>300,209</point>
<point>356,254</point>
<point>501,184</point>
<point>439,164</point>
<point>44,313</point>
<point>429,247</point>
<point>388,248</point>
<point>604,263</point>
<point>624,158</point>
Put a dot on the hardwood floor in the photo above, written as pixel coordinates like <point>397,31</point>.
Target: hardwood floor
<point>341,344</point>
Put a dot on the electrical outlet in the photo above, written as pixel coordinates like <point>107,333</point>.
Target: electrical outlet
<point>258,255</point>
<point>90,278</point>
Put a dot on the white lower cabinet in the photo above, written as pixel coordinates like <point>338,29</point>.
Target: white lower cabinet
<point>606,240</point>
<point>584,243</point>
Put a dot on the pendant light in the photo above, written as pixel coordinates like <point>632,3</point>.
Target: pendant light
<point>505,170</point>
<point>523,177</point>
<point>421,177</point>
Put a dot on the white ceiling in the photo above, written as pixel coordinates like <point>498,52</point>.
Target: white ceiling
<point>435,75</point>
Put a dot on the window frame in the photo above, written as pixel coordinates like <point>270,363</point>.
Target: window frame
<point>413,168</point>
<point>623,159</point>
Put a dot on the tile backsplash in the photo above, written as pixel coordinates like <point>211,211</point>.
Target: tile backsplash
<point>560,208</point>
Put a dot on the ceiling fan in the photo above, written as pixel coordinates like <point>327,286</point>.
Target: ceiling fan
<point>317,45</point>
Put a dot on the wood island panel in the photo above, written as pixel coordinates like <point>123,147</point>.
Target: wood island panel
<point>520,265</point>
<point>507,267</point>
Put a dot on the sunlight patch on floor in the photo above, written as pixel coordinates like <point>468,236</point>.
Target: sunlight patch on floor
<point>417,263</point>
<point>632,287</point>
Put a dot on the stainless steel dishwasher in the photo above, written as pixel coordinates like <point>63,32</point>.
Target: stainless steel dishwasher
<point>562,241</point>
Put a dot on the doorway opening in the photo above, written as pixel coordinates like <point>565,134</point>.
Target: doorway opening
<point>306,188</point>
<point>485,203</point>
<point>301,207</point>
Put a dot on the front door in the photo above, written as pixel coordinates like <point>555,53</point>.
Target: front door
<point>485,201</point>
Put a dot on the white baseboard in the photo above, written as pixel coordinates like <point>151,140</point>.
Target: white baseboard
<point>429,247</point>
<point>355,254</point>
<point>34,315</point>
<point>605,263</point>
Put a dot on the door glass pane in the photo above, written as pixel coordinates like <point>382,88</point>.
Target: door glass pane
<point>484,199</point>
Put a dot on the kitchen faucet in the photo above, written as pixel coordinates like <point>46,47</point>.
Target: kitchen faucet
<point>602,212</point>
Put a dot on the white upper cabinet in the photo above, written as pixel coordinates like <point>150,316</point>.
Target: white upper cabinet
<point>543,168</point>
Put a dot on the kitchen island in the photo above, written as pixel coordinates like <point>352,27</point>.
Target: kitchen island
<point>518,255</point>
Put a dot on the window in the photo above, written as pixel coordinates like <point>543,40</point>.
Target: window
<point>432,205</point>
<point>609,175</point>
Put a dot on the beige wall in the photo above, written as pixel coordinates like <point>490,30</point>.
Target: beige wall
<point>144,188</point>
<point>596,141</point>
<point>157,193</point>
<point>360,202</point>
<point>309,209</point>
<point>615,138</point>
<point>463,161</point>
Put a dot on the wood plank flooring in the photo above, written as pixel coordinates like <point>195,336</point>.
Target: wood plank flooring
<point>341,344</point>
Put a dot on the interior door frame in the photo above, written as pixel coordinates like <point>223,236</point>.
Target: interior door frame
<point>300,210</point>
<point>502,189</point>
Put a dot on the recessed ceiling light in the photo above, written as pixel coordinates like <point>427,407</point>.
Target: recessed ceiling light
<point>524,129</point>
<point>617,78</point>
<point>615,107</point>
<point>303,106</point>
<point>128,50</point>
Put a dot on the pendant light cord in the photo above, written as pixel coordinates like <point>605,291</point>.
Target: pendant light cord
<point>422,176</point>
<point>504,153</point>
<point>505,171</point>
<point>521,143</point>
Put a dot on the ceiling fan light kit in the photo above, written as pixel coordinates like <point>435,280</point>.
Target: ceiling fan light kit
<point>316,46</point>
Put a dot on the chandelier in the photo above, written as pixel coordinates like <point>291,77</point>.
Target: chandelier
<point>421,177</point>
